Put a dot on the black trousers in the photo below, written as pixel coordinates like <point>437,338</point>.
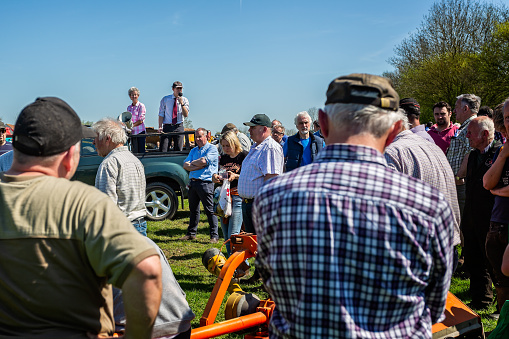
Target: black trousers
<point>178,140</point>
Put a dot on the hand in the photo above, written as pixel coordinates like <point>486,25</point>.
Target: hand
<point>216,178</point>
<point>181,101</point>
<point>232,176</point>
<point>160,130</point>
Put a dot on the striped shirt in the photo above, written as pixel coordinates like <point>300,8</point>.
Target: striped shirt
<point>122,177</point>
<point>349,248</point>
<point>459,146</point>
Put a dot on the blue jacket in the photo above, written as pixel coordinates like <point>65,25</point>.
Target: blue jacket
<point>294,148</point>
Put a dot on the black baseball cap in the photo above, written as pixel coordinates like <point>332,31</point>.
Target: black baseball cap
<point>259,120</point>
<point>366,89</point>
<point>48,126</point>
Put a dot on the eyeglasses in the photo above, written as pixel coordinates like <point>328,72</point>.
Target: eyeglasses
<point>277,133</point>
<point>3,130</point>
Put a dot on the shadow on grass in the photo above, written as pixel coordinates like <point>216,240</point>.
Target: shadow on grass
<point>181,214</point>
<point>187,256</point>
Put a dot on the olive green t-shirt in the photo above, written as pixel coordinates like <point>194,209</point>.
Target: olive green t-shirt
<point>62,244</point>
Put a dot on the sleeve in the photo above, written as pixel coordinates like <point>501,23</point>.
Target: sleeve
<point>106,180</point>
<point>392,160</point>
<point>442,253</point>
<point>273,161</point>
<point>141,116</point>
<point>212,157</point>
<point>162,107</point>
<point>190,156</point>
<point>285,149</point>
<point>112,244</point>
<point>186,104</point>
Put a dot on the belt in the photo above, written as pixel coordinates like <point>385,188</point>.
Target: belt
<point>173,124</point>
<point>140,219</point>
<point>247,201</point>
<point>199,180</point>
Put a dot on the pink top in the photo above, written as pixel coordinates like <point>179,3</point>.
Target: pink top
<point>138,112</point>
<point>443,139</point>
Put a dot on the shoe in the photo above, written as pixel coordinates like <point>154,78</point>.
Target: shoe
<point>188,237</point>
<point>213,240</point>
<point>478,306</point>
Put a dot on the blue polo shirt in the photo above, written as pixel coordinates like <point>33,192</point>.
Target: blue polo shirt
<point>211,155</point>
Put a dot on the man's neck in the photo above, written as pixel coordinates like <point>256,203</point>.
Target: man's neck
<point>441,128</point>
<point>304,135</point>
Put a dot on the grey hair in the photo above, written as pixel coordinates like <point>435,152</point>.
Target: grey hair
<point>302,114</point>
<point>471,100</point>
<point>404,118</point>
<point>281,128</point>
<point>201,129</point>
<point>109,127</point>
<point>132,90</point>
<point>486,124</point>
<point>362,119</point>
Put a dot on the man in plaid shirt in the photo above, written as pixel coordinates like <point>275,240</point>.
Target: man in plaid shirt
<point>347,247</point>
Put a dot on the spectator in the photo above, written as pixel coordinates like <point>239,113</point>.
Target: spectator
<point>137,110</point>
<point>443,131</point>
<point>231,163</point>
<point>278,132</point>
<point>120,175</point>
<point>264,162</point>
<point>65,245</point>
<point>202,164</point>
<point>478,206</point>
<point>173,110</point>
<point>340,247</point>
<point>278,123</point>
<point>316,129</point>
<point>6,161</point>
<point>496,180</point>
<point>466,109</point>
<point>413,155</point>
<point>485,111</point>
<point>5,146</point>
<point>244,140</point>
<point>413,111</point>
<point>303,147</point>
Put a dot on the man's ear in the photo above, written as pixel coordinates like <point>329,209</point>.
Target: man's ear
<point>393,132</point>
<point>70,162</point>
<point>323,118</point>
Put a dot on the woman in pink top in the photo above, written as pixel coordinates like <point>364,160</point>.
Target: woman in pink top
<point>138,119</point>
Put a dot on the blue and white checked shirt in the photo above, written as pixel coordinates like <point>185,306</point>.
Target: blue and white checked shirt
<point>349,248</point>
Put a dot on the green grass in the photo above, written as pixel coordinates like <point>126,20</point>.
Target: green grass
<point>185,260</point>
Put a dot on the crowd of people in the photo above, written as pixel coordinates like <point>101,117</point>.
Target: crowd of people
<point>358,220</point>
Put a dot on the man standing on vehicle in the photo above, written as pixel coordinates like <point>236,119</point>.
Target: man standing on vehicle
<point>347,247</point>
<point>63,242</point>
<point>121,174</point>
<point>173,109</point>
<point>201,163</point>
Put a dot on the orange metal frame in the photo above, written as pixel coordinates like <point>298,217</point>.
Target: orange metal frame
<point>245,246</point>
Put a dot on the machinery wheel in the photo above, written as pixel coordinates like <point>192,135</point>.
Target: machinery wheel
<point>160,201</point>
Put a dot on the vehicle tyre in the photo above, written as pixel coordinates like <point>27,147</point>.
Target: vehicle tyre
<point>160,201</point>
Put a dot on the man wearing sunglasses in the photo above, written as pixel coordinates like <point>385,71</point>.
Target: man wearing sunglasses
<point>5,146</point>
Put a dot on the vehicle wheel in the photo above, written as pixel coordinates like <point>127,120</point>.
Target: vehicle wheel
<point>160,201</point>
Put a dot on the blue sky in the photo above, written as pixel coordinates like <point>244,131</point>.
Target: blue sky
<point>234,58</point>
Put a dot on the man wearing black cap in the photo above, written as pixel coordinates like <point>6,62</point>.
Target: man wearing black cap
<point>63,243</point>
<point>173,110</point>
<point>264,161</point>
<point>347,247</point>
<point>413,111</point>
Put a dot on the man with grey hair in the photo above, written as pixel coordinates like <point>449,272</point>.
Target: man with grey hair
<point>478,206</point>
<point>466,108</point>
<point>303,147</point>
<point>347,247</point>
<point>277,134</point>
<point>121,175</point>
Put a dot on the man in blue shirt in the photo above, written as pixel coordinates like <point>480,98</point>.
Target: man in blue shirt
<point>301,149</point>
<point>201,163</point>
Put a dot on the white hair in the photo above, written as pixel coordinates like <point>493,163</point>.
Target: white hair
<point>362,119</point>
<point>109,127</point>
<point>302,114</point>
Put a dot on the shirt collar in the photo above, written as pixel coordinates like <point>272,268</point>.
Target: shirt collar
<point>466,122</point>
<point>348,152</point>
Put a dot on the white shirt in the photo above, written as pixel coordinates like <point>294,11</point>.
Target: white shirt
<point>166,109</point>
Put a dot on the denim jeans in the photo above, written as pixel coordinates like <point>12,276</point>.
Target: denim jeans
<point>140,225</point>
<point>234,222</point>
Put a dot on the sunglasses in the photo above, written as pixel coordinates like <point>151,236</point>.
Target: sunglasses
<point>3,130</point>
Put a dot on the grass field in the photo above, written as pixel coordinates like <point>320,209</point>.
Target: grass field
<point>185,260</point>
